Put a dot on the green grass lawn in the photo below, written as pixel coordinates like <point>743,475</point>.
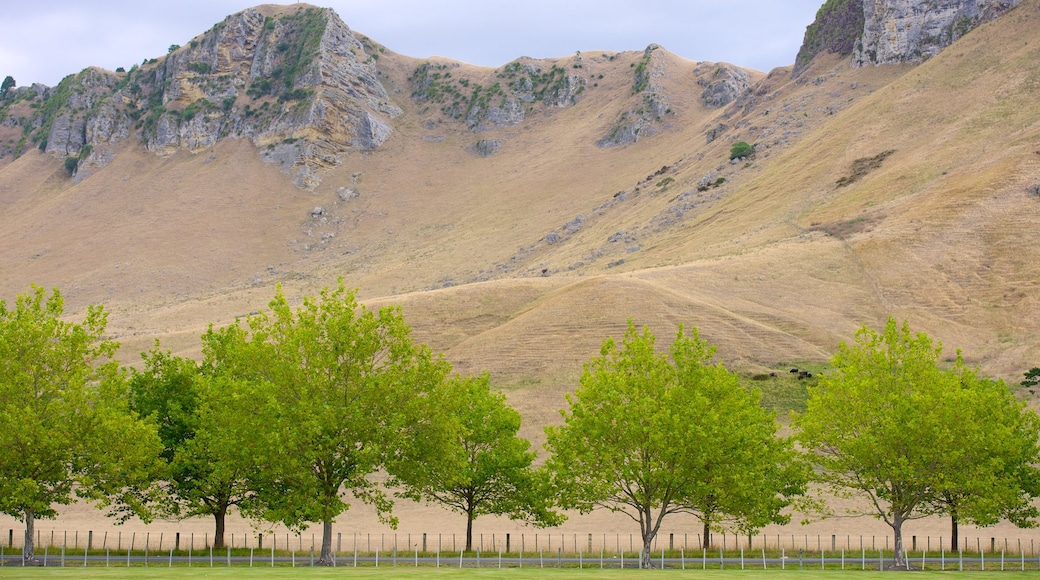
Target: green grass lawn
<point>448,573</point>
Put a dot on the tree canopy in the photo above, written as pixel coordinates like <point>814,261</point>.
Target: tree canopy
<point>648,437</point>
<point>345,394</point>
<point>491,472</point>
<point>6,86</point>
<point>912,438</point>
<point>65,429</point>
<point>206,422</point>
<point>991,468</point>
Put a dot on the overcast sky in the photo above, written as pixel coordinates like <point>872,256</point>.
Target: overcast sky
<point>44,40</point>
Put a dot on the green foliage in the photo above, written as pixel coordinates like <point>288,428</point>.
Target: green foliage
<point>48,112</point>
<point>1032,377</point>
<point>992,473</point>
<point>911,438</point>
<point>71,165</point>
<point>6,86</point>
<point>259,88</point>
<point>491,471</point>
<point>838,24</point>
<point>344,394</point>
<point>206,423</point>
<point>199,67</point>
<point>642,76</point>
<point>434,83</point>
<point>648,437</point>
<point>173,47</point>
<point>308,27</point>
<point>65,427</point>
<point>199,106</point>
<point>740,150</point>
<point>294,95</point>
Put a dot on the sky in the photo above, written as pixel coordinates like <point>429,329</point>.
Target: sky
<point>45,40</point>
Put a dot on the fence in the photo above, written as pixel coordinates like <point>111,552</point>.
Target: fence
<point>516,550</point>
<point>745,560</point>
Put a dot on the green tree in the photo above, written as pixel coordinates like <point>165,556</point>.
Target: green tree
<point>740,150</point>
<point>648,437</point>
<point>6,86</point>
<point>206,423</point>
<point>491,473</point>
<point>345,394</point>
<point>1032,377</point>
<point>991,472</point>
<point>889,426</point>
<point>65,429</point>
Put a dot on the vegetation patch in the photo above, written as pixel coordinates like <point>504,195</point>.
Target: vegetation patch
<point>642,79</point>
<point>863,166</point>
<point>838,24</point>
<point>297,48</point>
<point>741,150</point>
<point>844,228</point>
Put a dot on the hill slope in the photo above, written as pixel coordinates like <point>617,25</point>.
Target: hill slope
<point>519,226</point>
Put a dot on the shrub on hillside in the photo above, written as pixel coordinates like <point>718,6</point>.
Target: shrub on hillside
<point>740,150</point>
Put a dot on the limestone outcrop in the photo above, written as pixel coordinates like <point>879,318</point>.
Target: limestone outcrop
<point>912,30</point>
<point>874,32</point>
<point>296,81</point>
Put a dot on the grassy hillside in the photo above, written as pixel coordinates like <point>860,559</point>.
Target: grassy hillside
<point>775,263</point>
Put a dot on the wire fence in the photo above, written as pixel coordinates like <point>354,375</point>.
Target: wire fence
<point>669,550</point>
<point>570,543</point>
<point>703,559</point>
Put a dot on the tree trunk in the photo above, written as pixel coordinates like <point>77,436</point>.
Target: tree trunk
<point>954,536</point>
<point>707,535</point>
<point>218,536</point>
<point>28,549</point>
<point>469,531</point>
<point>644,559</point>
<point>326,544</point>
<point>897,531</point>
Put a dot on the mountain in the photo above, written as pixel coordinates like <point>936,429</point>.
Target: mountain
<point>522,214</point>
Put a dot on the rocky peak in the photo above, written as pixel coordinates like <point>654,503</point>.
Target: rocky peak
<point>913,30</point>
<point>294,80</point>
<point>893,31</point>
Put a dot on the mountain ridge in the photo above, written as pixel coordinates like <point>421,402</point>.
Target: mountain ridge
<point>520,255</point>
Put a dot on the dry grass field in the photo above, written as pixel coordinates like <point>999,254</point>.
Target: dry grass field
<point>775,266</point>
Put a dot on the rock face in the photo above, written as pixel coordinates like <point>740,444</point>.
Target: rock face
<point>837,28</point>
<point>502,103</point>
<point>912,30</point>
<point>295,81</point>
<point>893,31</point>
<point>647,118</point>
<point>725,85</point>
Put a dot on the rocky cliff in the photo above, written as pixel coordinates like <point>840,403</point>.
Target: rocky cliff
<point>294,80</point>
<point>876,32</point>
<point>303,88</point>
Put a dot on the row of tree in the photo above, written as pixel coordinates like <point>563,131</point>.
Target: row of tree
<point>292,414</point>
